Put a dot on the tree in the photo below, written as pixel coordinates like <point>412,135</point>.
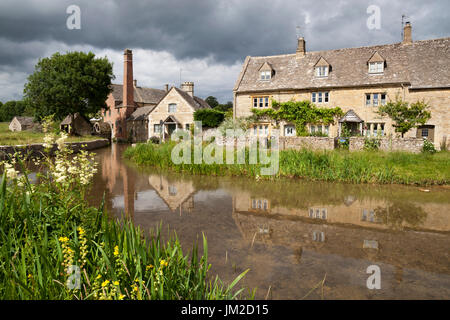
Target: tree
<point>68,83</point>
<point>11,109</point>
<point>210,118</point>
<point>224,107</point>
<point>404,115</point>
<point>212,101</point>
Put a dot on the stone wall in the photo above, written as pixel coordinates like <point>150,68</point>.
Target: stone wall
<point>413,145</point>
<point>313,143</point>
<point>37,150</point>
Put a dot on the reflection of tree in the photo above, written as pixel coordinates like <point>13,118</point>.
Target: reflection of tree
<point>397,214</point>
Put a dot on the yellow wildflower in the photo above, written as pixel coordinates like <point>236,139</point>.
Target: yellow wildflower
<point>63,239</point>
<point>105,283</point>
<point>121,296</point>
<point>116,250</point>
<point>150,266</point>
<point>164,263</point>
<point>116,283</point>
<point>99,276</point>
<point>81,231</point>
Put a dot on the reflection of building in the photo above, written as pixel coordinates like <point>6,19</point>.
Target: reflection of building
<point>176,194</point>
<point>356,231</point>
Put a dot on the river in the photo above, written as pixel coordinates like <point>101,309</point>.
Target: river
<point>293,235</point>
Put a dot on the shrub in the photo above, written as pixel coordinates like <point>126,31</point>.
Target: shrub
<point>428,147</point>
<point>371,144</point>
<point>210,118</point>
<point>154,139</point>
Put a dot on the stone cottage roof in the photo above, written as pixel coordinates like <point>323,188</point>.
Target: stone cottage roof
<point>25,121</point>
<point>422,64</point>
<point>141,95</point>
<point>195,102</point>
<point>141,113</point>
<point>68,120</point>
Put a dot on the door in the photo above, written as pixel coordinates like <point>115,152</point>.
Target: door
<point>171,127</point>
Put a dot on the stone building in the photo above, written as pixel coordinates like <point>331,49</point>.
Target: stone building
<point>174,111</point>
<point>127,98</point>
<point>21,123</point>
<point>357,80</point>
<point>76,124</point>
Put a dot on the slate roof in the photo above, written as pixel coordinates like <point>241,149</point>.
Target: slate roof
<point>68,120</point>
<point>141,113</point>
<point>196,102</point>
<point>350,116</point>
<point>27,121</point>
<point>141,95</point>
<point>422,64</point>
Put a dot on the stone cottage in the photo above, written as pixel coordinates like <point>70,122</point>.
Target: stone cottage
<point>358,80</point>
<point>174,111</point>
<point>21,123</point>
<point>76,124</point>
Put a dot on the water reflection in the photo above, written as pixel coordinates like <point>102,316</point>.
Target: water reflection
<point>291,233</point>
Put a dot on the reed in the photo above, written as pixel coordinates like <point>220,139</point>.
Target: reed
<point>337,165</point>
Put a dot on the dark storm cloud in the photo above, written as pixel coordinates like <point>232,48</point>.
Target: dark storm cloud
<point>223,30</point>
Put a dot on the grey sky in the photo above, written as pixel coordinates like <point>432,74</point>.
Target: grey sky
<point>207,39</point>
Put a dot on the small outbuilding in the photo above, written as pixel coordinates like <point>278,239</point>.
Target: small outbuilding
<point>76,124</point>
<point>21,123</point>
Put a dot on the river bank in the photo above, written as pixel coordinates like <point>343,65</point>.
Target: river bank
<point>334,166</point>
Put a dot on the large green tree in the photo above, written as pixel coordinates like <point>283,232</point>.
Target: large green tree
<point>68,83</point>
<point>404,115</point>
<point>212,101</point>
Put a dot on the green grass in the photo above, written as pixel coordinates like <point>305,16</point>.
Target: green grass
<point>39,227</point>
<point>338,165</point>
<point>9,138</point>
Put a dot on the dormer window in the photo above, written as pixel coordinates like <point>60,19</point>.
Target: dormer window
<point>265,75</point>
<point>322,71</point>
<point>376,63</point>
<point>376,67</point>
<point>322,68</point>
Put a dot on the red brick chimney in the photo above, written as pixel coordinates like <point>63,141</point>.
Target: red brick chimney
<point>128,88</point>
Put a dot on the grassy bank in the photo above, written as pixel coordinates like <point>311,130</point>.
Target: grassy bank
<point>9,138</point>
<point>344,166</point>
<point>55,246</point>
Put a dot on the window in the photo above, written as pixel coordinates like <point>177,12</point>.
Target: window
<point>313,129</point>
<point>289,130</point>
<point>425,132</point>
<point>260,204</point>
<point>376,67</point>
<point>157,128</point>
<point>265,75</point>
<point>375,99</point>
<point>318,213</point>
<point>322,71</point>
<point>326,130</point>
<point>374,129</point>
<point>187,126</point>
<point>318,236</point>
<point>172,190</point>
<point>320,97</point>
<point>172,107</point>
<point>261,102</point>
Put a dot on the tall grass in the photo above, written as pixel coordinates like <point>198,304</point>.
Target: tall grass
<point>338,165</point>
<point>42,232</point>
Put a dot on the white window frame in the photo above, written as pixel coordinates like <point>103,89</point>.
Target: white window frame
<point>322,71</point>
<point>320,97</point>
<point>376,67</point>
<point>265,75</point>
<point>157,128</point>
<point>289,130</point>
<point>172,105</point>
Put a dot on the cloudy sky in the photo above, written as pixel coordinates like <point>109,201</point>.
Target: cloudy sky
<point>206,39</point>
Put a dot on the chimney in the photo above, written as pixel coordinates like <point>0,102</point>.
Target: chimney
<point>128,90</point>
<point>188,87</point>
<point>166,86</point>
<point>301,47</point>
<point>135,82</point>
<point>407,33</point>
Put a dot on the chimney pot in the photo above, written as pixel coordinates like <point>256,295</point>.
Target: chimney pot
<point>166,87</point>
<point>135,83</point>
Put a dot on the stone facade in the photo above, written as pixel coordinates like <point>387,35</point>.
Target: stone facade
<point>413,71</point>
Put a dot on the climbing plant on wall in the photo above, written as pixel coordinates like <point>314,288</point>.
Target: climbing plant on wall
<point>298,112</point>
